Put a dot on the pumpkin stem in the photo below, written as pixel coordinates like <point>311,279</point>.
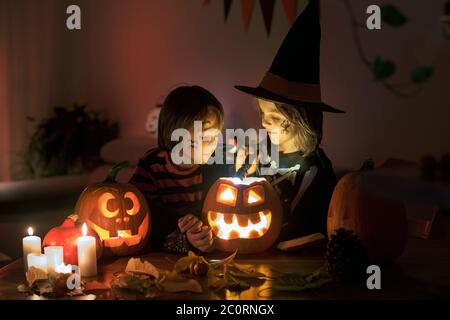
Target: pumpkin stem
<point>112,174</point>
<point>368,164</point>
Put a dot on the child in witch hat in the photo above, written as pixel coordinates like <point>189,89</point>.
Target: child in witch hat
<point>291,108</point>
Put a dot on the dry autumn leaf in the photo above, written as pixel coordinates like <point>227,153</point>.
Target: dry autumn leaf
<point>137,265</point>
<point>183,264</point>
<point>174,282</point>
<point>242,271</point>
<point>130,282</point>
<point>33,274</point>
<point>221,263</point>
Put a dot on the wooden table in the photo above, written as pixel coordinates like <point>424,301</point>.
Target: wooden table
<point>422,272</point>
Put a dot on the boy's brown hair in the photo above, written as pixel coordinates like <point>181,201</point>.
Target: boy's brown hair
<point>181,108</point>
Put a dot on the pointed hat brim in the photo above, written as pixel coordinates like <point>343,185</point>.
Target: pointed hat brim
<point>277,89</point>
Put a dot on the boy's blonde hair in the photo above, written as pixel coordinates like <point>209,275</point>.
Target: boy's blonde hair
<point>307,123</point>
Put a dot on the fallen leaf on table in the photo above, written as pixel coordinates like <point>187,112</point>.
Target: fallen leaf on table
<point>137,265</point>
<point>242,271</point>
<point>183,264</point>
<point>174,282</point>
<point>59,284</point>
<point>42,287</point>
<point>225,280</point>
<point>33,274</point>
<point>235,283</point>
<point>23,288</point>
<point>221,263</point>
<point>130,282</point>
<point>216,283</point>
<point>299,282</point>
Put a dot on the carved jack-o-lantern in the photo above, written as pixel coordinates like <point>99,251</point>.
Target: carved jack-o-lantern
<point>244,214</point>
<point>118,212</point>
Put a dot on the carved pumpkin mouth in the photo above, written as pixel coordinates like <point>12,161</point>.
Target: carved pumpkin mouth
<point>229,226</point>
<point>123,236</point>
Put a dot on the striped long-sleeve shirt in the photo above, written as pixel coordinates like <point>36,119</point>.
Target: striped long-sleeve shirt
<point>172,192</point>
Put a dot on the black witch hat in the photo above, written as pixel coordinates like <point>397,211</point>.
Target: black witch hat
<point>293,77</point>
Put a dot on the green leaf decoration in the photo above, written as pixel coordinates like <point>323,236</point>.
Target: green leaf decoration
<point>392,16</point>
<point>382,68</point>
<point>421,74</point>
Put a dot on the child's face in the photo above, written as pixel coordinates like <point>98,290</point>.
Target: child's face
<point>277,125</point>
<point>208,139</point>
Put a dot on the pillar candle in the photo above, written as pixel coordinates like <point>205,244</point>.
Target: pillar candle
<point>87,256</point>
<point>37,260</point>
<point>30,244</point>
<point>54,256</point>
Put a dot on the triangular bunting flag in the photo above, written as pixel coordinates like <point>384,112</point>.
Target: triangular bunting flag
<point>247,10</point>
<point>227,7</point>
<point>290,8</point>
<point>267,7</point>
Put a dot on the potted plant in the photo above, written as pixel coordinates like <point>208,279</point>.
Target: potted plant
<point>68,142</point>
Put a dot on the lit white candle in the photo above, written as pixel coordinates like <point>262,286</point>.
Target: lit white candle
<point>37,260</point>
<point>30,244</point>
<point>54,257</point>
<point>87,256</point>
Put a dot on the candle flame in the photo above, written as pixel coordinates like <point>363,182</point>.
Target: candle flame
<point>30,231</point>
<point>84,229</point>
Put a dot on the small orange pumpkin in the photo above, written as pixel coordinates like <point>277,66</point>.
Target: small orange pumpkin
<point>118,212</point>
<point>244,214</point>
<point>380,223</point>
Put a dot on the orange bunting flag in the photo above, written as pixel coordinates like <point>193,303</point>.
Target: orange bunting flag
<point>290,8</point>
<point>247,10</point>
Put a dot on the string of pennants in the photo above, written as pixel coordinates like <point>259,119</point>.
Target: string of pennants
<point>267,9</point>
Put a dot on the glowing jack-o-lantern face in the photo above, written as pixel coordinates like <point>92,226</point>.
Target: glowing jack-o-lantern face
<point>244,214</point>
<point>119,213</point>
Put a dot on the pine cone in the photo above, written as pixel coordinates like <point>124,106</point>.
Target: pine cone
<point>346,256</point>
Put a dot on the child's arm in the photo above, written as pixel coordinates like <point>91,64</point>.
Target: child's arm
<point>144,181</point>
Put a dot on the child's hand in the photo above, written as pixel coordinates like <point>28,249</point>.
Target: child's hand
<point>189,222</point>
<point>241,156</point>
<point>202,240</point>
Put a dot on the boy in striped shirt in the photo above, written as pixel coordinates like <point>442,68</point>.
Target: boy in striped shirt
<point>175,192</point>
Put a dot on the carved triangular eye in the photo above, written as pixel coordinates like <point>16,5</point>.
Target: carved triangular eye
<point>226,194</point>
<point>254,195</point>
